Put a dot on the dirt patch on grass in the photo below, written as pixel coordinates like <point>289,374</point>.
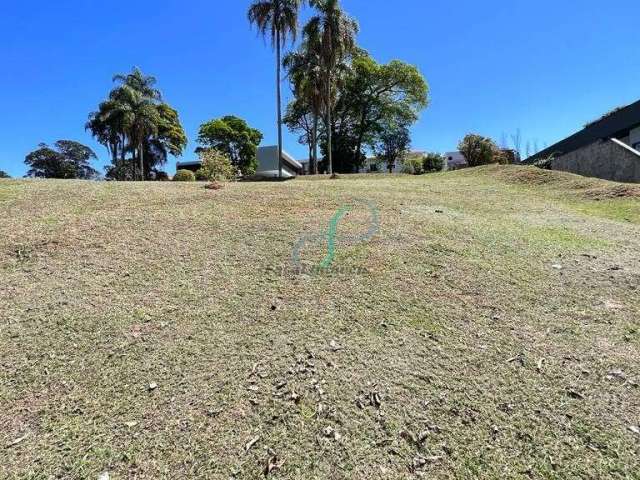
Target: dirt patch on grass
<point>531,176</point>
<point>612,190</point>
<point>590,188</point>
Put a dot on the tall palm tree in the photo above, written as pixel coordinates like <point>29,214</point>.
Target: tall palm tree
<point>141,96</point>
<point>277,19</point>
<point>134,119</point>
<point>144,124</point>
<point>305,73</point>
<point>332,33</point>
<point>138,81</point>
<point>111,126</point>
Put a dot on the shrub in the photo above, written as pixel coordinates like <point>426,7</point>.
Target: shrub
<point>412,165</point>
<point>216,166</point>
<point>184,176</point>
<point>545,163</point>
<point>478,150</point>
<point>202,175</point>
<point>433,162</point>
<point>509,157</point>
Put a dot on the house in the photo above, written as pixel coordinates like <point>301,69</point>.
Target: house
<point>267,164</point>
<point>306,166</point>
<point>192,166</point>
<point>455,160</point>
<point>374,165</point>
<point>608,148</point>
<point>268,167</point>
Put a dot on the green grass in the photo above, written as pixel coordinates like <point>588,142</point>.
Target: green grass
<point>475,279</point>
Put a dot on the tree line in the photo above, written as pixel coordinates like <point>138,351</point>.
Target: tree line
<point>344,102</point>
<point>140,130</point>
<point>344,105</point>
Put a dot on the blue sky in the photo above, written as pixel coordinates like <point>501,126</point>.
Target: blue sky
<point>545,67</point>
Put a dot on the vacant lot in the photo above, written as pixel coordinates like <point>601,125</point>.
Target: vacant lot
<point>490,329</point>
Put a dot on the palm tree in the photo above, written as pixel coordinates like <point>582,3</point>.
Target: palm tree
<point>142,97</point>
<point>305,73</point>
<point>279,20</point>
<point>138,81</point>
<point>134,119</point>
<point>332,33</point>
<point>111,124</point>
<point>144,123</point>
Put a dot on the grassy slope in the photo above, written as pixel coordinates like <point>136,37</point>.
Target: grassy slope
<point>109,287</point>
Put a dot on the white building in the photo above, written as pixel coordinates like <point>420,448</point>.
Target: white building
<point>455,160</point>
<point>267,164</point>
<point>373,165</point>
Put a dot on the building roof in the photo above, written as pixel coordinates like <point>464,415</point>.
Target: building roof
<point>193,163</point>
<point>612,125</point>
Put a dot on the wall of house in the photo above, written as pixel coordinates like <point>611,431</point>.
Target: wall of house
<point>634,137</point>
<point>455,160</point>
<point>607,159</point>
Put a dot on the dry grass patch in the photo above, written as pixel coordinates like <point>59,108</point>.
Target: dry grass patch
<point>489,330</point>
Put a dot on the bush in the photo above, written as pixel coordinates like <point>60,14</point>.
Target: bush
<point>184,176</point>
<point>545,163</point>
<point>508,157</point>
<point>433,162</point>
<point>478,150</point>
<point>202,175</point>
<point>216,167</point>
<point>412,165</point>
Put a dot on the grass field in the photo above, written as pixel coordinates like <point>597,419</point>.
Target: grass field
<point>489,330</point>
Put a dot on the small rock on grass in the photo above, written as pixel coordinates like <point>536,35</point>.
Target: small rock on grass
<point>273,463</point>
<point>251,443</point>
<point>17,441</point>
<point>331,432</point>
<point>104,476</point>
<point>575,394</point>
<point>153,386</point>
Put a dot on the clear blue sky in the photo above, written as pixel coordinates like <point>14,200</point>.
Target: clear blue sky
<point>546,67</point>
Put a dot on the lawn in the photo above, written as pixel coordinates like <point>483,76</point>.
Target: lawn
<point>489,329</point>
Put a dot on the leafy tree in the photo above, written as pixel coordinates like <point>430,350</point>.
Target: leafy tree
<point>332,34</point>
<point>433,162</point>
<point>4,174</point>
<point>381,95</point>
<point>233,137</point>
<point>279,20</point>
<point>216,166</point>
<point>413,164</point>
<point>393,144</point>
<point>135,122</point>
<point>66,160</point>
<point>373,97</point>
<point>301,121</point>
<point>478,150</point>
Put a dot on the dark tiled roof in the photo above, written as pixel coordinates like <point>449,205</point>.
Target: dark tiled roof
<point>615,124</point>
